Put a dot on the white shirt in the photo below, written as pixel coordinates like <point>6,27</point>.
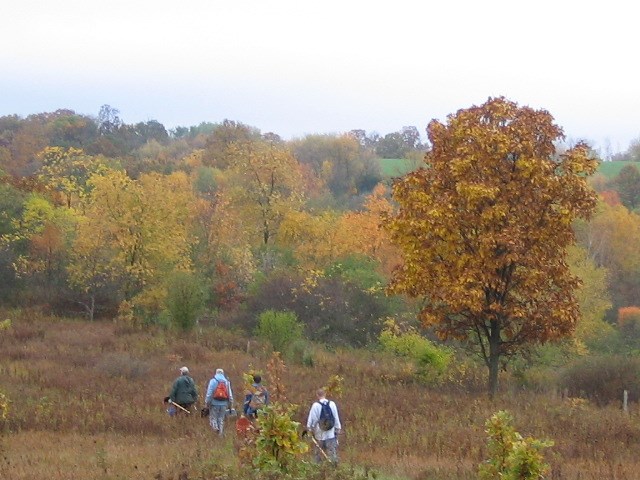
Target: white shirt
<point>314,417</point>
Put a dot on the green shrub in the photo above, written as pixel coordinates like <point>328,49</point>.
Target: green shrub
<point>300,353</point>
<point>279,447</point>
<point>333,310</point>
<point>603,378</point>
<point>185,299</point>
<point>512,457</point>
<point>359,270</point>
<point>430,359</point>
<point>280,329</point>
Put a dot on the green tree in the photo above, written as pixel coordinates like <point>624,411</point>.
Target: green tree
<point>593,297</point>
<point>224,141</point>
<point>11,204</point>
<point>40,238</point>
<point>185,299</point>
<point>399,144</point>
<point>632,154</point>
<point>340,162</point>
<point>108,120</point>
<point>606,238</point>
<point>627,184</point>
<point>69,129</point>
<point>281,329</point>
<point>484,230</point>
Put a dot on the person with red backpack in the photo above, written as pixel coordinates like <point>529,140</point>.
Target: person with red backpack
<point>219,397</point>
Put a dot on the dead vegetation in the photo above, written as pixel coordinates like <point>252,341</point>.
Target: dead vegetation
<point>86,402</point>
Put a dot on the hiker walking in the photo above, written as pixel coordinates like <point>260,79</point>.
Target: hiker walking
<point>183,393</point>
<point>324,425</point>
<point>219,397</point>
<point>256,398</point>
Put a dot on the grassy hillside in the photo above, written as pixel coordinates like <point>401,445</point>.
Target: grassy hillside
<point>611,169</point>
<point>86,402</point>
<point>395,167</point>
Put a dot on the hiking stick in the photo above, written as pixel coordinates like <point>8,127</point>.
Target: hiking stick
<point>313,439</point>
<point>179,406</point>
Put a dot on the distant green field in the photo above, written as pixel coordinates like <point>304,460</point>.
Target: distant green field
<point>611,169</point>
<point>396,167</point>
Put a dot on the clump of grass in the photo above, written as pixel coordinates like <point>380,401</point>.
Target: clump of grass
<point>120,364</point>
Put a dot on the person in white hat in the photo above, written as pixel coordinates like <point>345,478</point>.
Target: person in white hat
<point>183,393</point>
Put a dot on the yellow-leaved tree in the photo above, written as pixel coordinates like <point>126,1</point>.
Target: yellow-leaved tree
<point>314,238</point>
<point>66,171</point>
<point>264,183</point>
<point>320,239</point>
<point>372,238</point>
<point>593,299</point>
<point>135,231</point>
<point>484,230</point>
<point>607,241</point>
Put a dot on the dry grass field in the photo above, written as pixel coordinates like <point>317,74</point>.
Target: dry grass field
<point>86,403</point>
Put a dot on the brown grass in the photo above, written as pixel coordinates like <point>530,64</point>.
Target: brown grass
<point>87,403</point>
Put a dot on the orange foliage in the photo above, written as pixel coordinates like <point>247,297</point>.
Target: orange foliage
<point>372,239</point>
<point>611,198</point>
<point>226,290</point>
<point>628,316</point>
<point>484,229</point>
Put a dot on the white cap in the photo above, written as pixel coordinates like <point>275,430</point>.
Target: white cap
<point>184,370</point>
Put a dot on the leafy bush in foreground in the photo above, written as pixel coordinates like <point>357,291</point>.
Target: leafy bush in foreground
<point>512,457</point>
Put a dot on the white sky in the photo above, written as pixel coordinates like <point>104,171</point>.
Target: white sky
<point>294,67</point>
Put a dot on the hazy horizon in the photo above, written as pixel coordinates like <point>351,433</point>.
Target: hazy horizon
<point>294,68</point>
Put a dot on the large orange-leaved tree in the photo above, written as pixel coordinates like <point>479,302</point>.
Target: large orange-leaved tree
<point>484,229</point>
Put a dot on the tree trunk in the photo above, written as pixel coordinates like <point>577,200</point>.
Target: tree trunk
<point>493,375</point>
<point>92,308</point>
<point>494,358</point>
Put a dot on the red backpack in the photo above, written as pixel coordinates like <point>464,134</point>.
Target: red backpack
<point>221,392</point>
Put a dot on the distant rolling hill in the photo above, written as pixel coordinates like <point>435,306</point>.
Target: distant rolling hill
<point>611,169</point>
<point>396,167</point>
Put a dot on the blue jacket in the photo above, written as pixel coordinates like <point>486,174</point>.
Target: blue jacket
<point>213,383</point>
<point>247,398</point>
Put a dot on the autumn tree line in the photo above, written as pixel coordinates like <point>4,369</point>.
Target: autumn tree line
<point>505,240</point>
<point>107,218</point>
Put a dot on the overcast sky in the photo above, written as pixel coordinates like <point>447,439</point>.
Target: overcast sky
<point>294,67</point>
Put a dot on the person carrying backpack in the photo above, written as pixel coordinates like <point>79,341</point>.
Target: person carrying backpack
<point>256,398</point>
<point>183,393</point>
<point>219,397</point>
<point>324,424</point>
